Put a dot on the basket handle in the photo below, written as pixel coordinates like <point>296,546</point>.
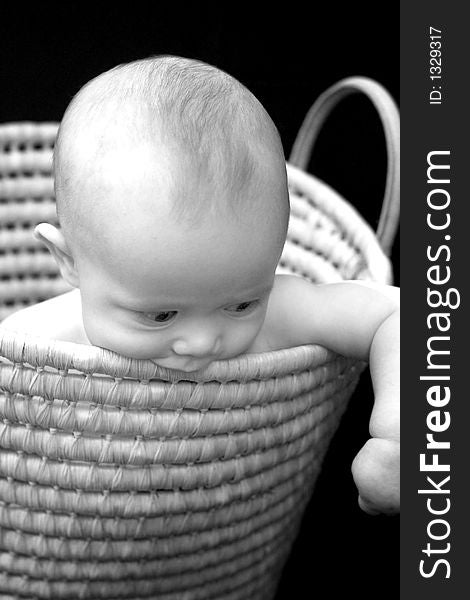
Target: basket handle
<point>390,118</point>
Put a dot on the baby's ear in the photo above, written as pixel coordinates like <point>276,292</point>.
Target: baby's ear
<point>55,242</point>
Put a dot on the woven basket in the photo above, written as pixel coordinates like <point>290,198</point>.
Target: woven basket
<point>120,479</point>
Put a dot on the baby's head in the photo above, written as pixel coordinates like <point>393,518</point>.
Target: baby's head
<point>172,198</point>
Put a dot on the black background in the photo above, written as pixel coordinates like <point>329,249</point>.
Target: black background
<point>286,57</point>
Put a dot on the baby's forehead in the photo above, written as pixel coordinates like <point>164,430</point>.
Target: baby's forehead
<point>185,266</point>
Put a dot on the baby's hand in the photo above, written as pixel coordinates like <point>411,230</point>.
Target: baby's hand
<point>376,472</point>
<point>376,468</point>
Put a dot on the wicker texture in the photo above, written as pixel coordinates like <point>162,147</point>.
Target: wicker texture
<point>121,479</point>
<point>28,273</point>
<point>134,484</point>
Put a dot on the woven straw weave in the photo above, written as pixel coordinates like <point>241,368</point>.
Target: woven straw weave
<point>121,479</point>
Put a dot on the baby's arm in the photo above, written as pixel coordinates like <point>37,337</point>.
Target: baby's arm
<point>376,468</point>
<point>360,320</point>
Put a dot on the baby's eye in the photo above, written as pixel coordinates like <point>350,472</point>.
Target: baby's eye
<point>242,308</point>
<point>163,316</point>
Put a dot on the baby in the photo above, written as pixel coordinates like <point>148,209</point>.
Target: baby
<point>172,198</point>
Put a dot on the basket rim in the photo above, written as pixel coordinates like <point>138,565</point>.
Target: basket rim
<point>40,352</point>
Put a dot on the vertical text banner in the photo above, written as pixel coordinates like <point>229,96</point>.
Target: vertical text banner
<point>435,270</point>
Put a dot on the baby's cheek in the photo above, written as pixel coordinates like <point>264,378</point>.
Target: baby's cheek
<point>106,332</point>
<point>100,333</point>
<point>240,338</point>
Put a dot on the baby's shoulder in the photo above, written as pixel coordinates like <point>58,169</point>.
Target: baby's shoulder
<point>288,289</point>
<point>281,324</point>
<point>292,288</point>
<point>58,318</point>
<point>289,282</point>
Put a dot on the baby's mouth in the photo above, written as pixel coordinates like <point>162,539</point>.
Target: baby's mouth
<point>188,366</point>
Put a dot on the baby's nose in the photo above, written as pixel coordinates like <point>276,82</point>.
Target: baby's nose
<point>198,345</point>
